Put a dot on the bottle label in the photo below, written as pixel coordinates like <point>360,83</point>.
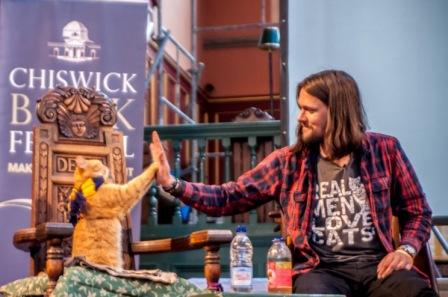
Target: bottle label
<point>279,276</point>
<point>241,276</point>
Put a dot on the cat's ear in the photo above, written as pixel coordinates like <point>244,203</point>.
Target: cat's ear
<point>81,163</point>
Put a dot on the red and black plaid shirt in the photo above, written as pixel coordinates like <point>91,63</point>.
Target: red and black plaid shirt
<point>391,185</point>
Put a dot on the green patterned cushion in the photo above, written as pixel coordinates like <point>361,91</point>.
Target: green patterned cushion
<point>85,282</point>
<point>30,286</point>
<point>80,281</point>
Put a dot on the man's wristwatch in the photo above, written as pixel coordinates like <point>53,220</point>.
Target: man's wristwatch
<point>408,249</point>
<point>173,187</point>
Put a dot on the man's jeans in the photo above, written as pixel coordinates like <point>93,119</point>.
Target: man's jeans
<point>360,279</point>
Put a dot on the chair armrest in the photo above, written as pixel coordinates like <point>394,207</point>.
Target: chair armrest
<point>29,238</point>
<point>210,240</point>
<point>53,233</point>
<point>25,239</point>
<point>50,230</point>
<point>195,240</point>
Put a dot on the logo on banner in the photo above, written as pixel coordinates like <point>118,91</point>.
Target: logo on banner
<point>77,47</point>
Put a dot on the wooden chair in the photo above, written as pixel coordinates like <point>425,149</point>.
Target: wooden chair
<point>80,122</point>
<point>423,261</point>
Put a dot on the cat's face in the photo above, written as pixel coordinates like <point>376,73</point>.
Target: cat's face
<point>90,168</point>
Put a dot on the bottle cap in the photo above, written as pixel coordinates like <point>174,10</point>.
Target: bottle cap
<point>241,228</point>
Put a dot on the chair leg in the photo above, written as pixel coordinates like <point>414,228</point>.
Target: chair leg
<point>54,265</point>
<point>212,268</point>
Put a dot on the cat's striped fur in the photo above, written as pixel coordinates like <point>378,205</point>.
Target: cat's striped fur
<point>97,234</point>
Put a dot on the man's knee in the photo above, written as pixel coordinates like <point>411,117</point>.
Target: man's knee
<point>403,283</point>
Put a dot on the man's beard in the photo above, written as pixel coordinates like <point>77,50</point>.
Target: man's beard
<point>311,140</point>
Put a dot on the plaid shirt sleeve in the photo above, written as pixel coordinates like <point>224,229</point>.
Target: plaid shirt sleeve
<point>412,209</point>
<point>253,188</point>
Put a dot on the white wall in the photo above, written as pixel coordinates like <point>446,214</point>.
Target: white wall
<point>398,52</point>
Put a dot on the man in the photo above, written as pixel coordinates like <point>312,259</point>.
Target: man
<point>338,188</point>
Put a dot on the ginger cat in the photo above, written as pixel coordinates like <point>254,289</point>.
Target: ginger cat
<point>96,206</point>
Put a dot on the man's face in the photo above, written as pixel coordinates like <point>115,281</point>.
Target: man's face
<point>312,118</point>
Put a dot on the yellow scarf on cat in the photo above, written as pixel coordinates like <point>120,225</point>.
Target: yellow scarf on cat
<point>79,197</point>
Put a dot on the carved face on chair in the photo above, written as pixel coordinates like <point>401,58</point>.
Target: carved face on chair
<point>79,127</point>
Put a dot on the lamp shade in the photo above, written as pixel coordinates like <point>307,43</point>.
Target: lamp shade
<point>269,39</point>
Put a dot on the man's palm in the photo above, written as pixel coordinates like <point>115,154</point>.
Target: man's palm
<point>164,177</point>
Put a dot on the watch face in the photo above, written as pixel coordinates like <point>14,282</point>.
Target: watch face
<point>409,249</point>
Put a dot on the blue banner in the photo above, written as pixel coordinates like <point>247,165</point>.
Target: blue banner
<point>45,43</point>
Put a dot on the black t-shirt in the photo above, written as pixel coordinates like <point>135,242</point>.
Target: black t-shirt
<point>342,229</point>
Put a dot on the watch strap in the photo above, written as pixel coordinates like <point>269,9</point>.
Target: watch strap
<point>410,250</point>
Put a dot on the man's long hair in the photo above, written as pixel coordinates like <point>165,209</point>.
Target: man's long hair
<point>346,121</point>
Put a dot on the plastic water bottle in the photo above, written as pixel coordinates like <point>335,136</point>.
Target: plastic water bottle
<point>279,267</point>
<point>241,252</point>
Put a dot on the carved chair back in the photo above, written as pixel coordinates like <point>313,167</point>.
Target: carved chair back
<point>73,122</point>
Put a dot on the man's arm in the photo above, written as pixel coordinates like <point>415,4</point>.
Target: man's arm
<point>410,205</point>
<point>252,189</point>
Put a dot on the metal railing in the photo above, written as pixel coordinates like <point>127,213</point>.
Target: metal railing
<point>163,37</point>
<point>253,133</point>
<point>440,221</point>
